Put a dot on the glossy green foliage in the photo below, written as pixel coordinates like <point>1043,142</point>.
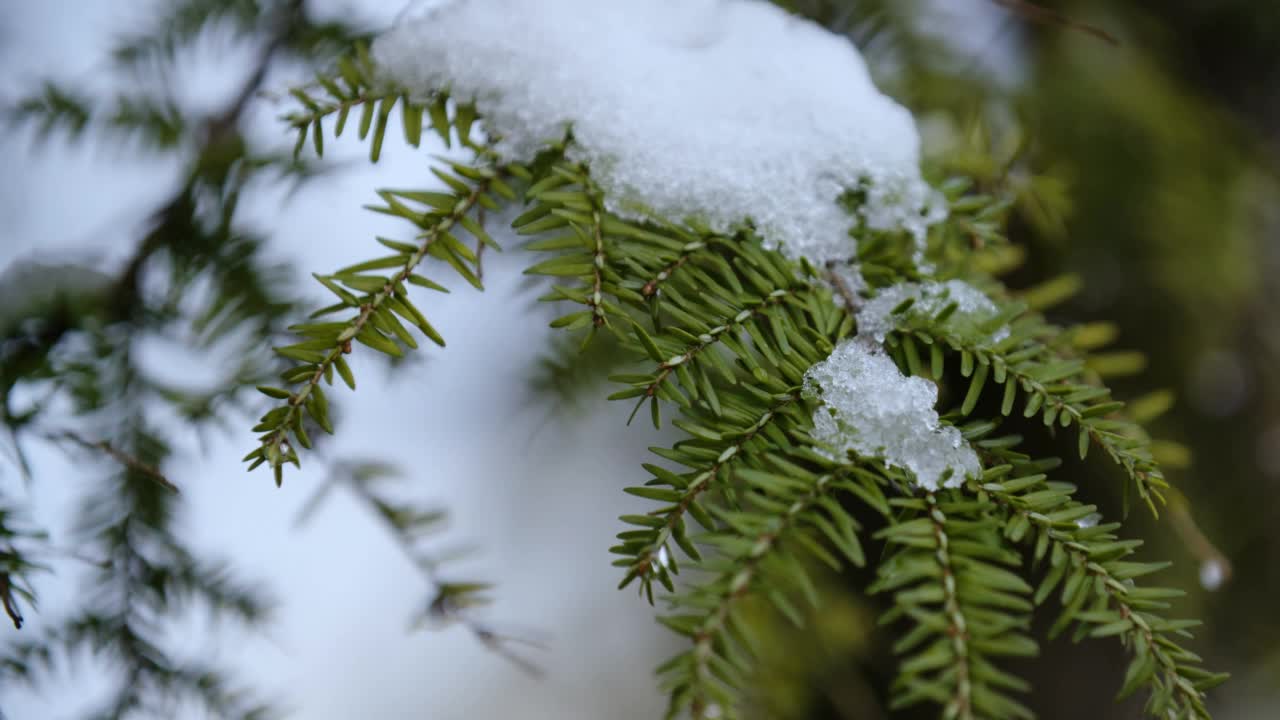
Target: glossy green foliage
<point>374,297</point>
<point>721,331</point>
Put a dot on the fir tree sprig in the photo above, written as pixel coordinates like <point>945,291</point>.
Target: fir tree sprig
<point>380,306</point>
<point>567,199</point>
<point>644,546</point>
<point>1055,386</point>
<point>950,580</point>
<point>355,85</point>
<point>1099,594</point>
<point>787,511</point>
<point>727,330</point>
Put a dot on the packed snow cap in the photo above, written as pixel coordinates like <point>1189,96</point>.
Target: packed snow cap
<point>877,319</point>
<point>715,110</point>
<point>869,407</point>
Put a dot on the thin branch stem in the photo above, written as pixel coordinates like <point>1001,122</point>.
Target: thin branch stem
<point>598,261</point>
<point>651,287</point>
<point>1046,16</point>
<point>846,293</point>
<point>700,484</point>
<point>958,626</point>
<point>714,335</point>
<point>128,461</point>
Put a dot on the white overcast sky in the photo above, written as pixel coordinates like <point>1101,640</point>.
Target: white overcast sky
<point>541,513</point>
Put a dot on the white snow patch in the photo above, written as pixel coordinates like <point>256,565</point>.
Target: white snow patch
<point>708,110</point>
<point>1213,573</point>
<point>973,307</point>
<point>870,407</point>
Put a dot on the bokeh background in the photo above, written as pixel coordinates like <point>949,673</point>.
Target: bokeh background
<point>1141,142</point>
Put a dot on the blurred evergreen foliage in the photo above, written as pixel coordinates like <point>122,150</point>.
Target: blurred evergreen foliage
<point>70,377</point>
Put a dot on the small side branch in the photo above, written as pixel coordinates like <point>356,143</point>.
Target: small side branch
<point>715,335</point>
<point>1046,16</point>
<point>651,287</point>
<point>649,557</point>
<point>451,600</point>
<point>128,461</point>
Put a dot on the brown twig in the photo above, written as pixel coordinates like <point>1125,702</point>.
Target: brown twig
<point>846,293</point>
<point>116,454</point>
<point>1046,16</point>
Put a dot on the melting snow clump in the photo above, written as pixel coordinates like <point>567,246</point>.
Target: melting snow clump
<point>871,408</point>
<point>876,318</point>
<point>710,110</point>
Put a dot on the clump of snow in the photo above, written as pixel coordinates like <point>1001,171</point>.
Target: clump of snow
<point>877,319</point>
<point>714,110</point>
<point>869,407</point>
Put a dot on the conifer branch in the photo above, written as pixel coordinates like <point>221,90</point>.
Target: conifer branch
<point>126,460</point>
<point>709,666</point>
<point>686,491</point>
<point>948,577</point>
<point>960,705</point>
<point>731,329</point>
<point>375,323</point>
<point>785,505</point>
<point>1054,388</point>
<point>452,601</point>
<point>651,287</point>
<point>567,197</point>
<point>720,333</point>
<point>1088,562</point>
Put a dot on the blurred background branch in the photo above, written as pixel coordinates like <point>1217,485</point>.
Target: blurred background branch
<point>1138,143</point>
